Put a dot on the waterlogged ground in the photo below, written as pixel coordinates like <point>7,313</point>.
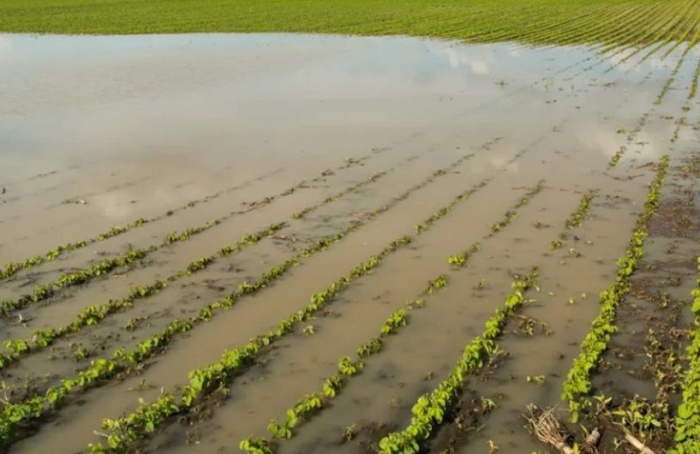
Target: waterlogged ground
<point>300,138</point>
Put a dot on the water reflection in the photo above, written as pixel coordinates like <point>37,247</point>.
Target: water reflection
<point>71,98</point>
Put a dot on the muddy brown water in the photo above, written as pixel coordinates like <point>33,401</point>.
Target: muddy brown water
<point>100,131</point>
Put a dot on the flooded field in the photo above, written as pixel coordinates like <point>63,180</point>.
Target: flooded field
<point>313,244</point>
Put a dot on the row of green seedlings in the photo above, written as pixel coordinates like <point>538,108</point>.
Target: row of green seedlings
<point>603,27</point>
<point>531,32</point>
<point>574,220</point>
<point>671,79</point>
<point>121,362</point>
<point>578,215</point>
<point>591,27</point>
<point>694,84</point>
<point>687,423</point>
<point>511,214</point>
<point>615,159</point>
<point>493,30</point>
<point>629,31</point>
<point>657,44</point>
<point>430,409</point>
<point>427,417</point>
<point>123,432</point>
<point>690,24</point>
<point>619,30</point>
<point>662,33</point>
<point>696,73</point>
<point>92,315</point>
<point>16,349</point>
<point>640,35</point>
<point>637,415</point>
<point>13,268</point>
<point>577,386</point>
<point>44,291</point>
<point>130,258</point>
<point>689,43</point>
<point>311,404</point>
<point>594,29</point>
<point>129,429</point>
<point>617,156</point>
<point>663,27</point>
<point>677,130</point>
<point>334,198</point>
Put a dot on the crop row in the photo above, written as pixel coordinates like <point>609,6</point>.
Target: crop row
<point>16,349</point>
<point>694,83</point>
<point>628,35</point>
<point>688,417</point>
<point>689,25</point>
<point>12,268</point>
<point>430,409</point>
<point>578,215</point>
<point>302,213</point>
<point>621,37</point>
<point>624,30</point>
<point>429,416</point>
<point>602,31</point>
<point>476,21</point>
<point>311,405</point>
<point>510,214</point>
<point>126,430</point>
<point>543,30</point>
<point>603,25</point>
<point>660,30</point>
<point>615,159</point>
<point>92,315</point>
<point>672,77</point>
<point>203,381</point>
<point>124,363</point>
<point>42,292</point>
<point>577,385</point>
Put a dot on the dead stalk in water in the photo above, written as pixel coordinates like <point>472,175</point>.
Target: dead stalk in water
<point>641,447</point>
<point>547,429</point>
<point>590,444</point>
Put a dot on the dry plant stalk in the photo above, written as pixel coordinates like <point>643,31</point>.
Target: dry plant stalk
<point>547,430</point>
<point>590,444</point>
<point>641,447</point>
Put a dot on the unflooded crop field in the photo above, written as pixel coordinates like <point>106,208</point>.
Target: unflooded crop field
<point>292,243</point>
